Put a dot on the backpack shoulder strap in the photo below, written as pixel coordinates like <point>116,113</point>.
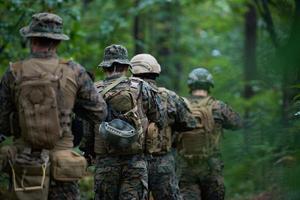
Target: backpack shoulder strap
<point>207,101</point>
<point>15,68</point>
<point>206,114</point>
<point>162,89</point>
<point>112,85</point>
<point>187,103</point>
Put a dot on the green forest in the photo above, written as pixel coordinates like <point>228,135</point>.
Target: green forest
<point>251,47</point>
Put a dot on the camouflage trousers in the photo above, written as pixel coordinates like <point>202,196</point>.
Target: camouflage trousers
<point>121,177</point>
<point>202,180</point>
<point>64,190</point>
<point>163,183</point>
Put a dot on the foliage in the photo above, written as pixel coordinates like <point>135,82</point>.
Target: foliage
<point>183,34</point>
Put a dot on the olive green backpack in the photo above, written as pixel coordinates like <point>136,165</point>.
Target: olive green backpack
<point>39,98</point>
<point>204,139</point>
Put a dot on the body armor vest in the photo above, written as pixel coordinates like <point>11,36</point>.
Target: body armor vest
<point>45,91</point>
<point>124,100</point>
<point>203,141</point>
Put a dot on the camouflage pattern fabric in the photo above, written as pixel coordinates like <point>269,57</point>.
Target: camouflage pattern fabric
<point>202,178</point>
<point>163,183</point>
<point>125,177</point>
<point>224,115</point>
<point>64,191</point>
<point>176,113</point>
<point>88,105</point>
<point>115,54</point>
<point>46,25</point>
<point>121,177</point>
<point>87,142</point>
<point>200,78</point>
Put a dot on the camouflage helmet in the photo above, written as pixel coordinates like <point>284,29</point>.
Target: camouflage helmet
<point>46,25</point>
<point>200,78</point>
<point>144,64</point>
<point>114,54</point>
<point>118,133</point>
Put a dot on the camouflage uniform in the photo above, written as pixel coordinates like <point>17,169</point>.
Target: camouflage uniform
<point>163,183</point>
<point>201,173</point>
<point>88,104</point>
<point>122,174</point>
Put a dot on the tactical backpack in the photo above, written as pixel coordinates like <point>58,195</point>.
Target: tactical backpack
<point>202,141</point>
<point>44,93</point>
<point>124,101</point>
<point>39,101</point>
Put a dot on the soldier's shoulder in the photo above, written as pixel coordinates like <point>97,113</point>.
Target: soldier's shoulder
<point>138,82</point>
<point>72,65</point>
<point>170,94</point>
<point>165,90</point>
<point>135,81</point>
<point>218,101</point>
<point>219,104</point>
<point>16,65</point>
<point>14,69</point>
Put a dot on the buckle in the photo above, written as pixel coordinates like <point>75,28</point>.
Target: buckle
<point>24,188</point>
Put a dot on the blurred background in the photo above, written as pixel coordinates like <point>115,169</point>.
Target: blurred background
<point>252,48</point>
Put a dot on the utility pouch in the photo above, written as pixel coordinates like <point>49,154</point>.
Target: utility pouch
<point>152,139</point>
<point>67,165</point>
<point>7,152</point>
<point>30,176</point>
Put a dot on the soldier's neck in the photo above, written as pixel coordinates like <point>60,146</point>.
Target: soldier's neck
<point>115,74</point>
<point>42,52</point>
<point>149,80</point>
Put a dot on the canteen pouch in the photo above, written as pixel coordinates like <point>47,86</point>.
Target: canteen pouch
<point>30,177</point>
<point>67,165</point>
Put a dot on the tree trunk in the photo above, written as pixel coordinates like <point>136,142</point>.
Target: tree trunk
<point>167,43</point>
<point>250,50</point>
<point>137,31</point>
<point>249,64</point>
<point>291,69</point>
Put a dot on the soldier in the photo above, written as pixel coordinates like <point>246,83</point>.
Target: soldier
<point>199,149</point>
<point>161,164</point>
<point>121,168</point>
<point>37,98</point>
